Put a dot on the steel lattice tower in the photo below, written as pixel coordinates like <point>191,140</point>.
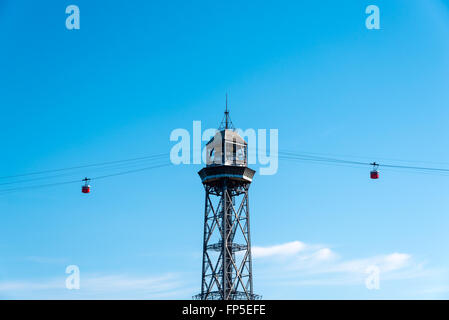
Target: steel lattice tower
<point>227,264</point>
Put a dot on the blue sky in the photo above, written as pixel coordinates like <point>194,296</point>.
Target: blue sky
<point>135,71</point>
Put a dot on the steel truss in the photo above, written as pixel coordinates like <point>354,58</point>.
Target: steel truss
<point>227,264</point>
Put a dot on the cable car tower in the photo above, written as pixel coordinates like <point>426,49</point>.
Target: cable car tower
<point>227,264</point>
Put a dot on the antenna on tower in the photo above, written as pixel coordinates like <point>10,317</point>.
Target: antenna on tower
<point>226,123</point>
<point>227,112</point>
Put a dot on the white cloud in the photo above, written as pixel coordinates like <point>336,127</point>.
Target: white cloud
<point>386,263</point>
<point>113,286</point>
<point>311,265</point>
<point>324,254</point>
<point>14,286</point>
<point>286,249</point>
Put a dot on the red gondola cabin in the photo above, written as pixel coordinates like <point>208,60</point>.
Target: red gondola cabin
<point>85,188</point>
<point>374,174</point>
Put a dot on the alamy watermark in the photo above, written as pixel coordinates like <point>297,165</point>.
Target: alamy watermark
<point>72,22</point>
<point>73,280</point>
<point>188,148</point>
<point>372,281</point>
<point>373,20</point>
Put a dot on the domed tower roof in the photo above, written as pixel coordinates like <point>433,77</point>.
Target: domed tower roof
<point>226,154</point>
<point>228,135</point>
<point>227,147</point>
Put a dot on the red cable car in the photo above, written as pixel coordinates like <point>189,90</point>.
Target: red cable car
<point>374,174</point>
<point>86,187</point>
